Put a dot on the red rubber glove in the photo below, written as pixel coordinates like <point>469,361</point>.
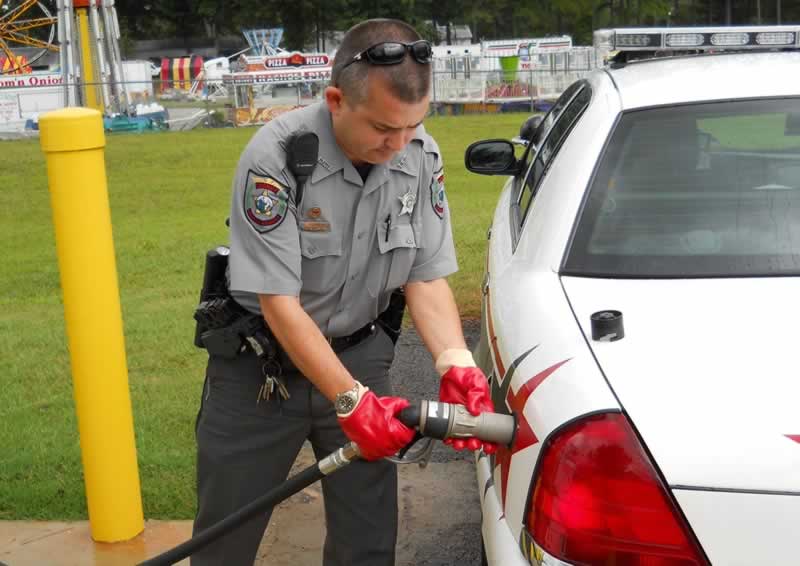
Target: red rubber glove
<point>373,426</point>
<point>467,386</point>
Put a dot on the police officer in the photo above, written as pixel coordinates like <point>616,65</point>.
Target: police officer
<point>373,218</point>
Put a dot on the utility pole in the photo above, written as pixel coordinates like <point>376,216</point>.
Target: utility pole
<point>778,11</point>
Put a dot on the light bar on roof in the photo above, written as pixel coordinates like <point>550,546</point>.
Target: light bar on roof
<point>637,40</point>
<point>730,39</point>
<point>774,38</point>
<point>684,39</point>
<point>698,38</point>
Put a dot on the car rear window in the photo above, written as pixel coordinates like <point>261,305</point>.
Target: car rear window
<point>706,190</point>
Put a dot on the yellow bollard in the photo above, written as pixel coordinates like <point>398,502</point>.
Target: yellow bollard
<point>73,141</point>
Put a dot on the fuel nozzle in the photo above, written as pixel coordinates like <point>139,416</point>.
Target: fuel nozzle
<point>435,419</point>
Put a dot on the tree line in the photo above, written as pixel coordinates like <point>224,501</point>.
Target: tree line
<point>306,22</point>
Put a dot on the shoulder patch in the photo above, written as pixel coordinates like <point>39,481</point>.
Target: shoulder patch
<point>266,202</point>
<point>437,193</point>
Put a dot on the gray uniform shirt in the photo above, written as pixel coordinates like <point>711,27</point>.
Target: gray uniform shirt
<point>352,242</point>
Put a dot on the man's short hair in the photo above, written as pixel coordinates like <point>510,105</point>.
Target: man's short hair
<point>409,81</point>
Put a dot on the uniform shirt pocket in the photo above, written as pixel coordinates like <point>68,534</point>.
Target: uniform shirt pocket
<point>397,245</point>
<point>321,252</point>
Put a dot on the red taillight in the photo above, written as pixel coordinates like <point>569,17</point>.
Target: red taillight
<point>598,500</point>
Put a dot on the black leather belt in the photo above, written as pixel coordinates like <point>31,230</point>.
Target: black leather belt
<point>340,343</point>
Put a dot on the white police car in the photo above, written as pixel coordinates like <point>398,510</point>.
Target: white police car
<point>642,310</point>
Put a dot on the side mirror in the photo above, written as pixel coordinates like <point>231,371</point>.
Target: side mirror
<point>528,128</point>
<point>491,157</point>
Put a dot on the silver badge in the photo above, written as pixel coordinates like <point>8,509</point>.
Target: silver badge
<point>408,201</point>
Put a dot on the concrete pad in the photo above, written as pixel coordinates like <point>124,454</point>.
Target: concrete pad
<point>35,543</point>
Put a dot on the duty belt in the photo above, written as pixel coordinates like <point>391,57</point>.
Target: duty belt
<point>340,343</point>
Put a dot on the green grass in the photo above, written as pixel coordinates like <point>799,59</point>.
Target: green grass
<point>169,194</point>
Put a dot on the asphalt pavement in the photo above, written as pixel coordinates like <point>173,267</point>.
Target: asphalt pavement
<point>456,538</point>
<point>439,509</point>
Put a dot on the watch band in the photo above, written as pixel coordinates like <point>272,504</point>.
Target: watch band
<point>347,401</point>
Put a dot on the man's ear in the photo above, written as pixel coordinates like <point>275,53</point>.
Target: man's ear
<point>334,98</point>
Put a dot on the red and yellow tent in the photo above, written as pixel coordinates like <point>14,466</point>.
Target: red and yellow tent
<point>179,72</point>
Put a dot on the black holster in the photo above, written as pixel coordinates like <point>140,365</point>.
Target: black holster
<point>223,327</point>
<point>246,331</point>
<point>212,294</point>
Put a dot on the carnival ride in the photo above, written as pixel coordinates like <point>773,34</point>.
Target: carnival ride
<point>27,33</point>
<point>91,62</point>
<point>88,71</point>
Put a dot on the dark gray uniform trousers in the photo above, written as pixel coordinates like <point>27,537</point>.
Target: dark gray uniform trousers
<point>245,448</point>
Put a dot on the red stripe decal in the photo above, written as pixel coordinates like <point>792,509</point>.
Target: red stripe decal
<point>525,436</point>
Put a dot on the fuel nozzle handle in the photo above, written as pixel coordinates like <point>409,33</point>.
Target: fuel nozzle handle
<point>435,419</point>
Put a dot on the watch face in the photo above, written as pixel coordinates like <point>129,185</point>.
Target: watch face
<point>345,402</point>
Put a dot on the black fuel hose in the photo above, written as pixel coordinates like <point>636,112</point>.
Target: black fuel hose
<point>409,417</point>
<point>434,420</point>
<point>274,496</point>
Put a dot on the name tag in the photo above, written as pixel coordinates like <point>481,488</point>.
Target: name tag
<point>315,226</point>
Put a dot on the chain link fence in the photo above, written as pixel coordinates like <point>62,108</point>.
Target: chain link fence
<point>484,84</point>
<point>148,101</point>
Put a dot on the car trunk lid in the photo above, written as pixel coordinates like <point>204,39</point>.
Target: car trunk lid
<point>709,373</point>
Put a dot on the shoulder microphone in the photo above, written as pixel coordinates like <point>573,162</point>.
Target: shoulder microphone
<point>302,153</point>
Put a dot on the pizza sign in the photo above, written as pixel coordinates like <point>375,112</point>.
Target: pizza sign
<point>297,60</point>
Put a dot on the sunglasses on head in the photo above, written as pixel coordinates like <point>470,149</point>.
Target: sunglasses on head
<point>393,53</point>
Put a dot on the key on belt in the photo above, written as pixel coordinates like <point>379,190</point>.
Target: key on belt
<point>272,380</point>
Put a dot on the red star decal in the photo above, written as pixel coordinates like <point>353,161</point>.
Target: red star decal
<point>795,437</point>
<point>525,436</point>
